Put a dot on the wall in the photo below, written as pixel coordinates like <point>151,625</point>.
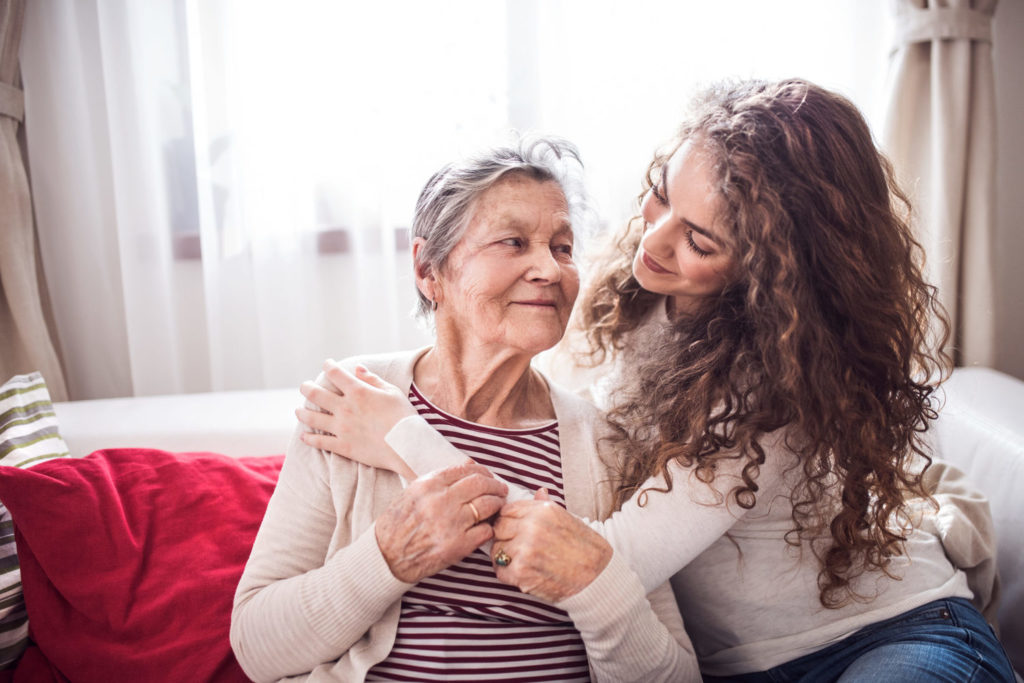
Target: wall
<point>1009,237</point>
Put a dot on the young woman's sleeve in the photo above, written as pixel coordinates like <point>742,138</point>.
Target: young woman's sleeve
<point>656,535</point>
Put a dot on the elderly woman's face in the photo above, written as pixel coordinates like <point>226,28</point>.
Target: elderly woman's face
<point>511,280</point>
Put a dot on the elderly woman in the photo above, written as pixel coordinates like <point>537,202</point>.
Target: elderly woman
<point>350,578</point>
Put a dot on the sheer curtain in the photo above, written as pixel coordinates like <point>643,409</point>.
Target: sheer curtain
<point>223,187</point>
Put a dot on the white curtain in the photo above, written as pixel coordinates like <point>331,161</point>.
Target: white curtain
<point>223,186</point>
<point>940,131</point>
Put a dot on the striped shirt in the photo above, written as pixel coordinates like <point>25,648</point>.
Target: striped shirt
<point>462,624</point>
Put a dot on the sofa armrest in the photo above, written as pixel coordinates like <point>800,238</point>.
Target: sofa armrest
<point>981,430</point>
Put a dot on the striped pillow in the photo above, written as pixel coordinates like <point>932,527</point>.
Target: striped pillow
<point>28,435</point>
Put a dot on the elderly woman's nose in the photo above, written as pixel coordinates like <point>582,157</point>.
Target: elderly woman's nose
<point>544,265</point>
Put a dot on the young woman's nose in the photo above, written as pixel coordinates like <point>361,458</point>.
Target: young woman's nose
<point>655,216</point>
<point>651,209</point>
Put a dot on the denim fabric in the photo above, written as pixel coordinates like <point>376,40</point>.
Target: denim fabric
<point>945,640</point>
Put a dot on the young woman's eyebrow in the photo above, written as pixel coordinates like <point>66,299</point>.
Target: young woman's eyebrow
<point>707,233</point>
<point>663,182</point>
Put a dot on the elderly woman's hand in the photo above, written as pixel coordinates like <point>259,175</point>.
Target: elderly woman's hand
<point>438,520</point>
<point>545,551</point>
<point>356,417</point>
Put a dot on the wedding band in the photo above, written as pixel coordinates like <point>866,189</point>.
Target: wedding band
<point>502,559</point>
<point>476,513</point>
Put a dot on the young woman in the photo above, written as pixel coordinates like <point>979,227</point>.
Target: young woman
<point>763,337</point>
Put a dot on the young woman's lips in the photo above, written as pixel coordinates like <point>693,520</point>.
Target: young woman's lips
<point>653,265</point>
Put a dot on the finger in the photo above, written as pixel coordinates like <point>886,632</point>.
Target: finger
<point>342,378</point>
<point>541,494</point>
<point>314,419</point>
<point>505,528</point>
<point>476,536</point>
<point>364,374</point>
<point>520,509</point>
<point>487,506</point>
<point>324,442</point>
<point>471,506</point>
<point>476,484</point>
<point>321,397</point>
<point>452,474</point>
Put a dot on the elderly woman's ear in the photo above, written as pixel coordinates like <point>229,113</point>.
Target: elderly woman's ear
<point>425,280</point>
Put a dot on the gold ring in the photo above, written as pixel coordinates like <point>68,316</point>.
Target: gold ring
<point>476,513</point>
<point>502,559</point>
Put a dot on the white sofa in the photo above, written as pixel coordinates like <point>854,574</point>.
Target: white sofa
<point>981,430</point>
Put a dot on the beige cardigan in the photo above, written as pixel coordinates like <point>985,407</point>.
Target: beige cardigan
<point>317,601</point>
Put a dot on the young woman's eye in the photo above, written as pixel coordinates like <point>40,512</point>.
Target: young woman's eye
<point>658,194</point>
<point>702,253</point>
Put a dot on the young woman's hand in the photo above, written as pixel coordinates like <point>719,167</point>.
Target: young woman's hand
<point>355,417</point>
<point>545,551</point>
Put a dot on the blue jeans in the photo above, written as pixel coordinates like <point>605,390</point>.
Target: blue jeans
<point>945,640</point>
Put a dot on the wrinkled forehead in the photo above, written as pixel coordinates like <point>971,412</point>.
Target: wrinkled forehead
<point>522,202</point>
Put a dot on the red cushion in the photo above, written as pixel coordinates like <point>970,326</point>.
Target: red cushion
<point>130,558</point>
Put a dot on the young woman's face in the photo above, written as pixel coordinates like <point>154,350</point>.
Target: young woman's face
<point>683,253</point>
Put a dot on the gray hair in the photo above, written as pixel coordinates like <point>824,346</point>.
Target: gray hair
<point>443,208</point>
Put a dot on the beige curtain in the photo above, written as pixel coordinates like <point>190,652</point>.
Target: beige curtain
<point>940,132</point>
<point>25,340</point>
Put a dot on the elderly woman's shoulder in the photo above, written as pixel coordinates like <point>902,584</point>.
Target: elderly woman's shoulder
<point>395,366</point>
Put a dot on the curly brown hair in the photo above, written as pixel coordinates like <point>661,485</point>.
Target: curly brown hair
<point>828,329</point>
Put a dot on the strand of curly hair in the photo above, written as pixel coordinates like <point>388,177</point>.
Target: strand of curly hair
<point>830,330</point>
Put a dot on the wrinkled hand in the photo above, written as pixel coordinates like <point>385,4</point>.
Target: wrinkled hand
<point>359,412</point>
<point>554,554</point>
<point>438,520</point>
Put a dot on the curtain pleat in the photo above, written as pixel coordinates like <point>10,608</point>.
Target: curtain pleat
<point>26,343</point>
<point>940,132</point>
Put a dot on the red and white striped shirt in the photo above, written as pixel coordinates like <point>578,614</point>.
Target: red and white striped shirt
<point>462,624</point>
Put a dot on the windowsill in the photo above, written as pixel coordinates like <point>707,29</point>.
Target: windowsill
<point>187,246</point>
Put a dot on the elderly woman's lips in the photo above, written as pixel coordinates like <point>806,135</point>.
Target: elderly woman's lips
<point>550,304</point>
<point>653,265</point>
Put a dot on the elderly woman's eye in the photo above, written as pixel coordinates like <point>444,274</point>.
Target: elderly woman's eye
<point>562,249</point>
<point>512,242</point>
